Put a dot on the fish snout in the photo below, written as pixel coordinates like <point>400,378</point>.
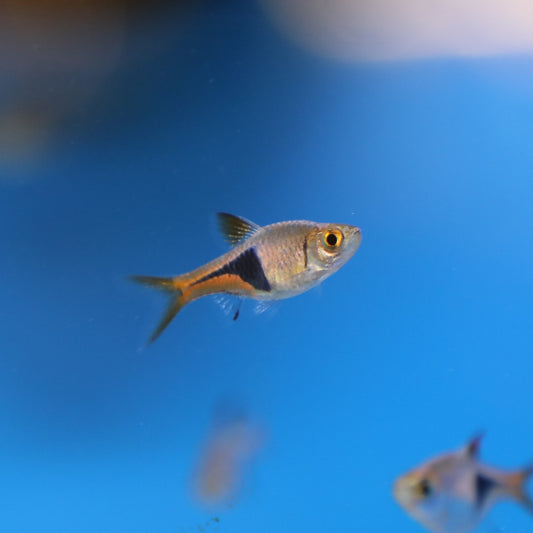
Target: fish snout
<point>396,488</point>
<point>353,236</point>
<point>401,491</point>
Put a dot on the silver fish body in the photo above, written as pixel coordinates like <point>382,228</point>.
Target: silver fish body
<point>266,263</point>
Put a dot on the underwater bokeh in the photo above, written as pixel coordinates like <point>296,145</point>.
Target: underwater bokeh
<point>124,128</point>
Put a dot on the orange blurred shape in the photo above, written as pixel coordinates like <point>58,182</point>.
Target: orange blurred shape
<point>225,460</point>
<point>55,54</point>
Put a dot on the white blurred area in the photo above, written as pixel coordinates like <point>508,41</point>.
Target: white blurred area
<point>388,30</point>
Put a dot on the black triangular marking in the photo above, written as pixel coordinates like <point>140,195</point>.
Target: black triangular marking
<point>484,486</point>
<point>248,267</point>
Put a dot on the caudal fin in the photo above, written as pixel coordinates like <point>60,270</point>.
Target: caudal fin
<point>163,284</point>
<point>517,484</point>
<point>170,285</point>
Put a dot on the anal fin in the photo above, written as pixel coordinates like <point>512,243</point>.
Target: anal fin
<point>230,305</point>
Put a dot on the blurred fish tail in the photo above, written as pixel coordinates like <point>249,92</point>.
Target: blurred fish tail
<point>517,482</point>
<point>176,286</point>
<point>163,284</point>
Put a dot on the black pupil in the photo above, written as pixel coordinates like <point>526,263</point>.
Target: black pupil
<point>425,487</point>
<point>331,239</point>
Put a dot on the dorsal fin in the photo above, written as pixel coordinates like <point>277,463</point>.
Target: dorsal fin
<point>235,229</point>
<point>471,449</point>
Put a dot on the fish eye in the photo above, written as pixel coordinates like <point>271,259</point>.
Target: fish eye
<point>424,488</point>
<point>332,239</point>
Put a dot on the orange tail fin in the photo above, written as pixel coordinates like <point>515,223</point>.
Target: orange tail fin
<point>516,483</point>
<point>171,285</point>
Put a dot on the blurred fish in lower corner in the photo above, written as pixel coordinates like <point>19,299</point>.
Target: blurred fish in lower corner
<point>453,492</point>
<point>231,447</point>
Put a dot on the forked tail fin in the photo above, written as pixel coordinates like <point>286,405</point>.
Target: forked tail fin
<point>517,485</point>
<point>170,285</point>
<point>163,284</point>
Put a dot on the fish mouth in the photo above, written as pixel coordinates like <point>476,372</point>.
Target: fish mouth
<point>353,236</point>
<point>401,491</point>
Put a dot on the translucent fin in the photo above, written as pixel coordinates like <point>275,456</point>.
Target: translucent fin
<point>168,285</point>
<point>172,310</point>
<point>516,484</point>
<point>230,305</point>
<point>473,446</point>
<point>263,306</point>
<point>163,284</point>
<point>235,229</point>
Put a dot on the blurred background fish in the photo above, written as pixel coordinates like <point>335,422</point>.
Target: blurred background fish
<point>231,447</point>
<point>453,492</point>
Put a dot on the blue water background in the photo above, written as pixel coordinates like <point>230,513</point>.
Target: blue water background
<point>421,340</point>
